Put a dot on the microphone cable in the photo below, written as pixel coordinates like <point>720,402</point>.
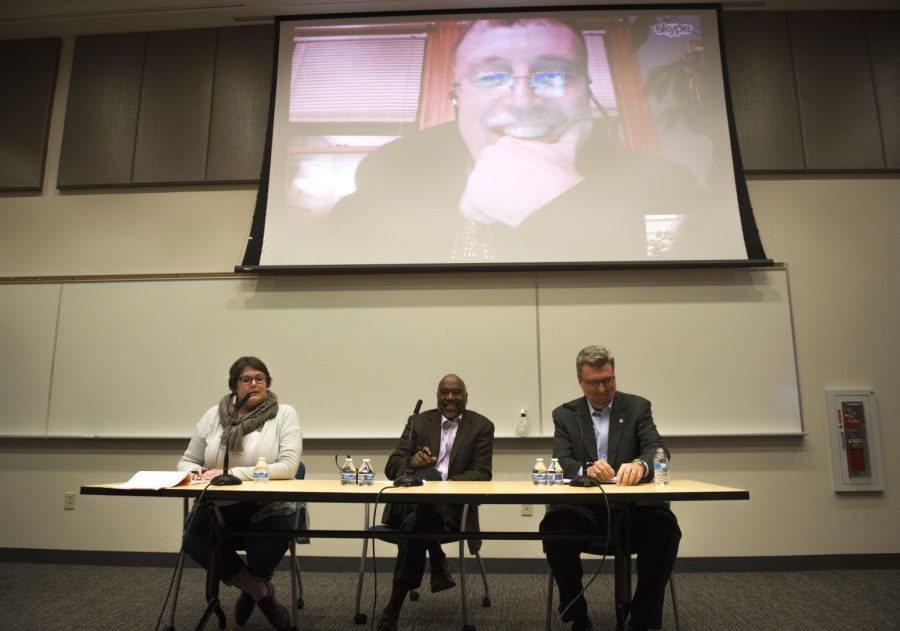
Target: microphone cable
<point>407,473</point>
<point>609,527</point>
<point>184,530</point>
<point>375,558</point>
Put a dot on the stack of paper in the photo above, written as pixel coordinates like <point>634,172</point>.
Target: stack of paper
<point>157,480</point>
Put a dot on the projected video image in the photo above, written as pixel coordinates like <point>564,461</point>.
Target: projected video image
<point>514,138</point>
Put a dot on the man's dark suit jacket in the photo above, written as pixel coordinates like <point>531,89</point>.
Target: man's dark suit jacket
<point>412,186</point>
<point>470,458</point>
<point>632,434</point>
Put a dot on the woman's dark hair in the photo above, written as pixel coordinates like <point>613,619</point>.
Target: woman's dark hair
<point>246,362</point>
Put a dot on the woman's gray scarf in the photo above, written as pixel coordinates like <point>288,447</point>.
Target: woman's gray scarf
<point>244,424</point>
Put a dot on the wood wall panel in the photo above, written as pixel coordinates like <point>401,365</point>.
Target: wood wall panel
<point>28,80</point>
<point>176,97</point>
<point>102,110</point>
<point>883,35</point>
<point>763,92</point>
<point>240,107</point>
<point>834,88</point>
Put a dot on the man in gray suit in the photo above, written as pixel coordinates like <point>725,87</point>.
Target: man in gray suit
<point>609,436</point>
<point>449,443</point>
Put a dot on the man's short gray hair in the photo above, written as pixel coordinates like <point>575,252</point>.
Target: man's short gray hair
<point>467,26</point>
<point>597,356</point>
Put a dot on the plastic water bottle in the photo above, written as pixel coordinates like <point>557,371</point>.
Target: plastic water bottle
<point>660,468</point>
<point>365,475</point>
<point>261,471</point>
<point>348,471</point>
<point>539,472</point>
<point>555,472</point>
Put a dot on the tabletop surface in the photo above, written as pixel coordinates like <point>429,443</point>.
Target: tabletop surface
<point>449,492</point>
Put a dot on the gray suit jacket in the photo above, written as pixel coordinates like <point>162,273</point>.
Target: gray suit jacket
<point>632,434</point>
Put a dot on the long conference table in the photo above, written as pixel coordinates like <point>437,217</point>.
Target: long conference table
<point>450,492</point>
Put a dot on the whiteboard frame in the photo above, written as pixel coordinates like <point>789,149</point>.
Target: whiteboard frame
<point>514,346</point>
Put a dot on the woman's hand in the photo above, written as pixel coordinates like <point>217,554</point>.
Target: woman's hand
<point>197,472</point>
<point>207,474</point>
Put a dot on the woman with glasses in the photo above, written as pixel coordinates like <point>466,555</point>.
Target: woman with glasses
<point>259,427</point>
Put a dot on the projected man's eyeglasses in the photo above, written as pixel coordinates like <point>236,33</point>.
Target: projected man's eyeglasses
<point>545,83</point>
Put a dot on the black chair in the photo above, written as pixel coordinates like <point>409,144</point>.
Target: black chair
<point>301,522</point>
<point>622,561</point>
<point>383,533</point>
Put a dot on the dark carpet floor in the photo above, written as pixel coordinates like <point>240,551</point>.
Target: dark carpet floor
<point>46,596</point>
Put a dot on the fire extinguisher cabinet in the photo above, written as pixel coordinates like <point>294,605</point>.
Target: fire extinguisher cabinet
<point>856,456</point>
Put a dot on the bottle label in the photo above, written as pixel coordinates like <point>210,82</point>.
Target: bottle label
<point>661,473</point>
<point>554,474</point>
<point>368,478</point>
<point>260,476</point>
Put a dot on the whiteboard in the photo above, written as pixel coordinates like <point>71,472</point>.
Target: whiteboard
<point>712,349</point>
<point>27,337</point>
<point>352,354</point>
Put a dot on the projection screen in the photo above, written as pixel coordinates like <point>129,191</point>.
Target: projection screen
<point>529,137</point>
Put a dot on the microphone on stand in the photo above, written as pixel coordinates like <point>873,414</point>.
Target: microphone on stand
<point>225,478</point>
<point>408,478</point>
<point>582,480</point>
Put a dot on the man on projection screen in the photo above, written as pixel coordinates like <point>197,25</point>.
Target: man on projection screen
<point>524,173</point>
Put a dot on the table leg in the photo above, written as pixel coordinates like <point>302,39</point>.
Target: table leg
<point>212,574</point>
<point>623,568</point>
<point>360,617</point>
<point>462,572</point>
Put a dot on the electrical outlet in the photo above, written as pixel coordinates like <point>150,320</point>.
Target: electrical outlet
<point>70,500</point>
<point>527,510</point>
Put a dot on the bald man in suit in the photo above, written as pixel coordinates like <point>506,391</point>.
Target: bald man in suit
<point>609,436</point>
<point>449,443</point>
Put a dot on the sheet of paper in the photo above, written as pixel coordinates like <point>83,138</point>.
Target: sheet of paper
<point>156,479</point>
